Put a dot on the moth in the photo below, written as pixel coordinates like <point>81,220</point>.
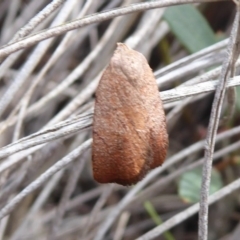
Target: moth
<point>129,125</point>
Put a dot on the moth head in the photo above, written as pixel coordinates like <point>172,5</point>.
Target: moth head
<point>129,62</point>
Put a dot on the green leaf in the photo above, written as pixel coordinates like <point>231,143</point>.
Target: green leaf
<point>190,27</point>
<point>238,98</point>
<point>156,218</point>
<point>189,186</point>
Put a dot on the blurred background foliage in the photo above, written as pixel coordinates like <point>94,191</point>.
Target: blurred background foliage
<point>182,30</point>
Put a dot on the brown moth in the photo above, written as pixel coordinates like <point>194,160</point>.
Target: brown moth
<point>129,126</point>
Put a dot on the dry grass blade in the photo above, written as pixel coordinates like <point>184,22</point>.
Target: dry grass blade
<point>5,51</point>
<point>213,126</point>
<point>54,55</point>
<point>178,218</point>
<point>45,176</point>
